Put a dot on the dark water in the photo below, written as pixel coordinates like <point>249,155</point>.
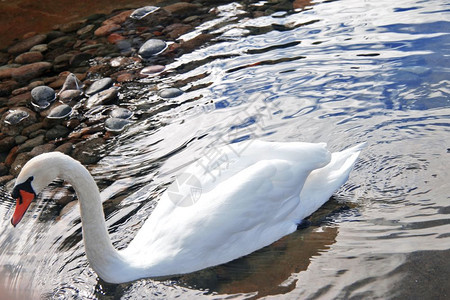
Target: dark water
<point>342,72</point>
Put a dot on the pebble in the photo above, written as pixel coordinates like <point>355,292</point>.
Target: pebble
<point>42,97</point>
<point>119,18</point>
<point>72,26</point>
<point>86,29</point>
<point>170,93</point>
<point>116,124</point>
<point>143,12</point>
<point>38,150</point>
<point>71,83</point>
<point>26,44</point>
<point>80,59</point>
<point>182,9</point>
<point>18,163</point>
<point>56,132</point>
<point>121,113</point>
<point>30,71</point>
<point>70,95</point>
<point>20,100</point>
<point>7,143</point>
<point>106,29</point>
<point>152,70</point>
<point>29,57</point>
<point>103,97</point>
<point>31,143</point>
<point>152,47</point>
<point>60,112</point>
<point>14,117</point>
<point>39,48</point>
<point>99,85</point>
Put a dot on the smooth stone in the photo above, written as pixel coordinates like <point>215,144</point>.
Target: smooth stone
<point>125,77</point>
<point>99,85</point>
<point>20,100</point>
<point>39,48</point>
<point>116,124</point>
<point>65,148</point>
<point>182,9</point>
<point>15,116</point>
<point>38,150</point>
<point>30,71</point>
<point>143,12</point>
<point>152,70</point>
<point>20,139</point>
<point>6,87</point>
<point>70,95</point>
<point>29,57</point>
<point>18,163</point>
<point>26,44</point>
<point>103,97</point>
<point>61,41</point>
<point>31,143</point>
<point>32,128</point>
<point>42,96</point>
<point>152,47</point>
<point>85,29</point>
<point>57,132</point>
<point>60,112</point>
<point>72,26</point>
<point>121,113</point>
<point>6,73</point>
<point>170,93</point>
<point>7,143</point>
<point>71,83</point>
<point>63,59</point>
<point>106,29</point>
<point>113,38</point>
<point>119,18</point>
<point>80,59</point>
<point>88,152</point>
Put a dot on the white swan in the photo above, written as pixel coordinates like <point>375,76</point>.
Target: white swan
<point>253,194</point>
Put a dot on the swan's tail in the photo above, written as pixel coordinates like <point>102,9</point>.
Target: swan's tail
<point>322,183</point>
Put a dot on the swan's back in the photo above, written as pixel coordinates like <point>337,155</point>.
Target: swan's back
<point>250,198</point>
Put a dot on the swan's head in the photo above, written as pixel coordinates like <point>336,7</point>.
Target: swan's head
<point>34,176</point>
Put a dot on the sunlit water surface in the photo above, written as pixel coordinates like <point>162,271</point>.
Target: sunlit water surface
<point>341,72</point>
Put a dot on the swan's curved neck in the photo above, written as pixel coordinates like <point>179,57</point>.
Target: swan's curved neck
<point>103,258</point>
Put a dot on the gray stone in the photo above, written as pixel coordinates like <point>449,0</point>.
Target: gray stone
<point>71,83</point>
<point>143,12</point>
<point>121,113</point>
<point>170,93</point>
<point>116,124</point>
<point>18,163</point>
<point>104,97</point>
<point>31,143</point>
<point>14,117</point>
<point>152,47</point>
<point>42,96</point>
<point>60,112</point>
<point>26,44</point>
<point>99,85</point>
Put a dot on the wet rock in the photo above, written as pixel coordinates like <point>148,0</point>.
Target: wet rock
<point>103,97</point>
<point>11,156</point>
<point>72,26</point>
<point>176,30</point>
<point>39,48</point>
<point>5,179</point>
<point>30,71</point>
<point>6,73</point>
<point>116,124</point>
<point>86,29</point>
<point>121,113</point>
<point>14,117</point>
<point>65,148</point>
<point>80,59</point>
<point>6,87</point>
<point>196,42</point>
<point>182,9</point>
<point>71,83</point>
<point>19,100</point>
<point>152,47</point>
<point>106,29</point>
<point>126,77</point>
<point>88,152</point>
<point>123,46</point>
<point>152,70</point>
<point>34,84</point>
<point>31,143</point>
<point>70,95</point>
<point>19,91</point>
<point>60,112</point>
<point>42,97</point>
<point>32,128</point>
<point>62,42</point>
<point>18,163</point>
<point>142,12</point>
<point>38,150</point>
<point>7,143</point>
<point>99,85</point>
<point>56,132</point>
<point>20,139</point>
<point>113,38</point>
<point>62,59</point>
<point>119,18</point>
<point>26,44</point>
<point>170,93</point>
<point>29,57</point>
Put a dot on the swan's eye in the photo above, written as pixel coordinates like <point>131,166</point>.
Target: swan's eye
<point>25,186</point>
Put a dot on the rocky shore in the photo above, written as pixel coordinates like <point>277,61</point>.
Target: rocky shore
<point>61,90</point>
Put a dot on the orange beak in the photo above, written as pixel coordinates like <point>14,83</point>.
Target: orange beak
<point>23,202</point>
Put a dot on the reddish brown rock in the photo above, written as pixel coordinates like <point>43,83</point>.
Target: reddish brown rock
<point>65,148</point>
<point>176,30</point>
<point>6,73</point>
<point>20,100</point>
<point>125,77</point>
<point>182,9</point>
<point>11,156</point>
<point>26,44</point>
<point>30,71</point>
<point>115,37</point>
<point>29,57</point>
<point>6,87</point>
<point>119,18</point>
<point>72,26</point>
<point>19,91</point>
<point>106,29</point>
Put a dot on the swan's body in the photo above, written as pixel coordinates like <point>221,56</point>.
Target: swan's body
<point>251,195</point>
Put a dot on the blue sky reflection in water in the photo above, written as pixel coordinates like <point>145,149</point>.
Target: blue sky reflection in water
<point>340,72</point>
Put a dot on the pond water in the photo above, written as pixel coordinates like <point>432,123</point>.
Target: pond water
<point>340,72</point>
